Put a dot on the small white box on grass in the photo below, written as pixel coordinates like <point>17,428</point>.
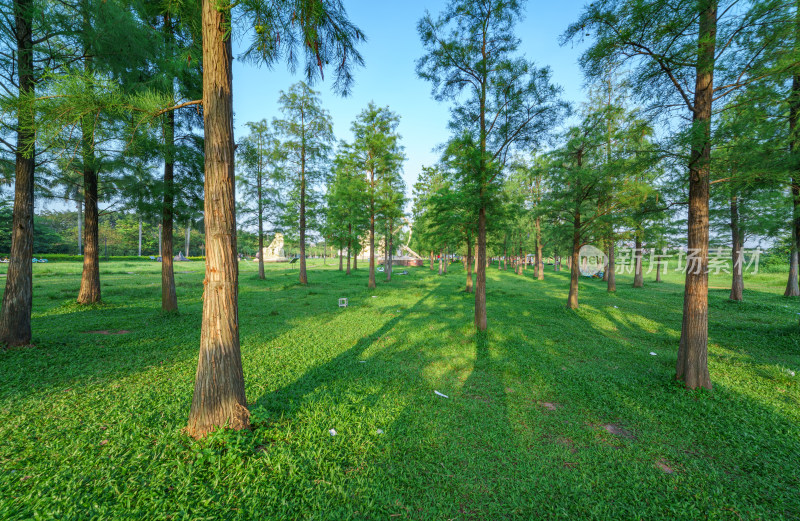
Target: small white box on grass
<point>342,302</point>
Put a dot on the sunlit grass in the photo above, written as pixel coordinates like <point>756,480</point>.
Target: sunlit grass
<point>555,413</point>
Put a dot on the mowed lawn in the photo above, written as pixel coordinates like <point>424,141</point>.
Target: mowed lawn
<point>555,414</point>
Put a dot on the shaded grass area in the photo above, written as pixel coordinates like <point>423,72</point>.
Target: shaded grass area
<point>554,413</point>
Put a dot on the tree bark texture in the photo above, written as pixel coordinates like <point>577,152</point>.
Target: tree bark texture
<point>737,280</point>
<point>219,398</point>
<point>481,322</point>
<point>692,365</point>
<point>15,315</point>
<point>469,267</point>
<point>169,298</point>
<point>638,276</point>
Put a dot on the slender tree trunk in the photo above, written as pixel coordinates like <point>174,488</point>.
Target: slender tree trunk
<point>219,397</point>
<point>261,230</point>
<point>605,268</point>
<point>389,256</point>
<point>349,249</point>
<point>303,275</point>
<point>475,255</point>
<point>469,267</point>
<point>371,283</point>
<point>481,322</point>
<point>15,316</point>
<point>658,272</point>
<point>792,289</point>
<point>355,258</point>
<point>169,297</point>
<point>638,276</point>
<point>80,228</point>
<point>441,259</point>
<point>140,235</point>
<point>431,260</point>
<point>612,281</point>
<point>572,298</point>
<point>737,282</point>
<point>692,365</point>
<point>189,236</point>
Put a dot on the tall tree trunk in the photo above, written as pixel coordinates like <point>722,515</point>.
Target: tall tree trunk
<point>303,275</point>
<point>15,316</point>
<point>469,267</point>
<point>481,322</point>
<point>791,285</point>
<point>792,289</point>
<point>261,229</point>
<point>219,397</point>
<point>605,269</point>
<point>441,259</point>
<point>90,279</point>
<point>189,236</point>
<point>169,298</point>
<point>371,283</point>
<point>638,276</point>
<point>80,229</point>
<point>572,298</point>
<point>658,272</point>
<point>349,249</point>
<point>692,365</point>
<point>140,235</point>
<point>475,255</point>
<point>389,257</point>
<point>612,280</point>
<point>446,260</point>
<point>737,282</point>
<point>431,260</point>
<point>355,258</point>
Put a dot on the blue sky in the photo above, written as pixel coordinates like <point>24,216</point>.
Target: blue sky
<point>389,78</point>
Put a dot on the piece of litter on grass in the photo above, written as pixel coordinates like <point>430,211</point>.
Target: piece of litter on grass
<point>379,431</point>
<point>652,353</point>
<point>374,296</point>
<point>333,432</point>
<point>440,394</point>
<point>615,307</point>
<point>362,361</point>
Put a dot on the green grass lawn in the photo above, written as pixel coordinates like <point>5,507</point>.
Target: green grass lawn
<point>556,414</point>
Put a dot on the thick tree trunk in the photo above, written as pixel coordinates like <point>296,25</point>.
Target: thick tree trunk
<point>90,279</point>
<point>481,322</point>
<point>431,260</point>
<point>469,267</point>
<point>169,298</point>
<point>15,316</point>
<point>219,398</point>
<point>737,282</point>
<point>638,276</point>
<point>791,285</point>
<point>658,272</point>
<point>692,365</point>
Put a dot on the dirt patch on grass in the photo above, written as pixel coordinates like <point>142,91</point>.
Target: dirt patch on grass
<point>661,464</point>
<point>550,406</point>
<point>618,430</point>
